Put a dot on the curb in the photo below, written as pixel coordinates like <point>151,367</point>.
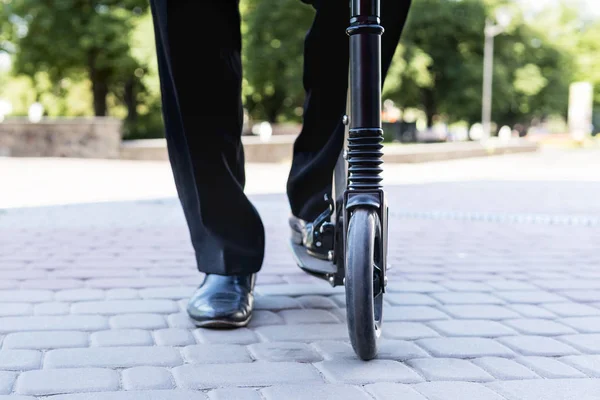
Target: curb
<point>279,148</point>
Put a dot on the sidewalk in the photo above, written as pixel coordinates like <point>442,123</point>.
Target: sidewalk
<point>494,290</point>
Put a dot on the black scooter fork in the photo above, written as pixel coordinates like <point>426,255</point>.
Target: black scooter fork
<point>365,135</point>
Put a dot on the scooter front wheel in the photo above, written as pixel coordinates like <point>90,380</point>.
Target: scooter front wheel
<point>364,295</point>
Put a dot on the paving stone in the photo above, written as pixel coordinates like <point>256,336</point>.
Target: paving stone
<point>111,307</point>
<point>399,350</point>
<point>466,298</point>
<point>412,313</point>
<point>588,364</point>
<point>172,293</point>
<point>234,393</point>
<point>415,286</point>
<point>548,367</point>
<point>45,340</point>
<point>582,296</point>
<point>53,323</point>
<point>216,353</point>
<point>314,316</point>
<point>302,333</point>
<point>455,391</point>
<point>582,324</point>
<point>53,308</point>
<point>138,321</point>
<point>113,283</point>
<point>284,351</point>
<point>180,320</point>
<point>464,347</point>
<point>236,336</point>
<point>393,391</point>
<point>449,369</point>
<point>479,311</point>
<point>410,299</point>
<point>122,294</point>
<point>67,380</point>
<point>275,303</point>
<point>321,391</point>
<point>113,357</point>
<point>537,346</point>
<point>532,311</point>
<point>79,295</point>
<point>298,289</point>
<point>173,337</point>
<point>86,273</point>
<point>586,343</point>
<point>542,327</point>
<point>208,376</point>
<point>7,380</point>
<point>465,286</point>
<point>530,297</point>
<point>505,369</point>
<point>472,327</point>
<point>20,360</point>
<point>567,284</point>
<point>121,337</point>
<point>509,284</point>
<point>407,330</point>
<point>265,317</point>
<point>147,378</point>
<point>52,284</point>
<point>572,309</point>
<point>16,397</point>
<point>334,349</point>
<point>25,296</point>
<point>15,309</point>
<point>579,389</point>
<point>136,395</point>
<point>322,302</point>
<point>358,372</point>
<point>340,299</point>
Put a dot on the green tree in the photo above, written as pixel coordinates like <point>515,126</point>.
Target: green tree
<point>273,32</point>
<point>440,65</point>
<point>440,59</point>
<point>81,39</point>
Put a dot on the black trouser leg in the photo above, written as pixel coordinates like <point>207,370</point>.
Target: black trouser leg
<point>203,118</point>
<point>326,54</point>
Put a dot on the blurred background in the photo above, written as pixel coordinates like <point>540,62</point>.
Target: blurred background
<point>465,70</point>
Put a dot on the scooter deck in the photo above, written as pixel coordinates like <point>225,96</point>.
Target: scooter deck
<point>310,263</point>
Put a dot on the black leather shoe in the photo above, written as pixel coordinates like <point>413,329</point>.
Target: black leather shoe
<point>223,301</point>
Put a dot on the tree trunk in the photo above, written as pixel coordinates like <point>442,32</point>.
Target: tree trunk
<point>100,91</point>
<point>429,106</point>
<point>99,87</point>
<point>130,100</point>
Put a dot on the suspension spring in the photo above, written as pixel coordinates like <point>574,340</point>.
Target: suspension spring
<point>365,157</point>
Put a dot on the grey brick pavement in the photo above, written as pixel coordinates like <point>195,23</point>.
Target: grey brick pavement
<point>483,304</point>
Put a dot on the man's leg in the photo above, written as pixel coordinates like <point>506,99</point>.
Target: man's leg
<point>326,55</point>
<point>203,119</point>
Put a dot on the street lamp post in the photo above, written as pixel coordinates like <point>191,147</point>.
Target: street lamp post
<point>492,30</point>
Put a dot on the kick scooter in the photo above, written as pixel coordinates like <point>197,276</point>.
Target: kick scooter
<point>352,233</point>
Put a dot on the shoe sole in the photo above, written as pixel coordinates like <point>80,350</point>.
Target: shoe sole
<point>221,324</point>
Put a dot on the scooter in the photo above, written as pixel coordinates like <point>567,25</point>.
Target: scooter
<point>353,231</point>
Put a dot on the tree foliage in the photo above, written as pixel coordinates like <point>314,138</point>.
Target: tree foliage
<point>80,39</point>
<point>105,48</point>
<point>439,66</point>
<point>274,32</point>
